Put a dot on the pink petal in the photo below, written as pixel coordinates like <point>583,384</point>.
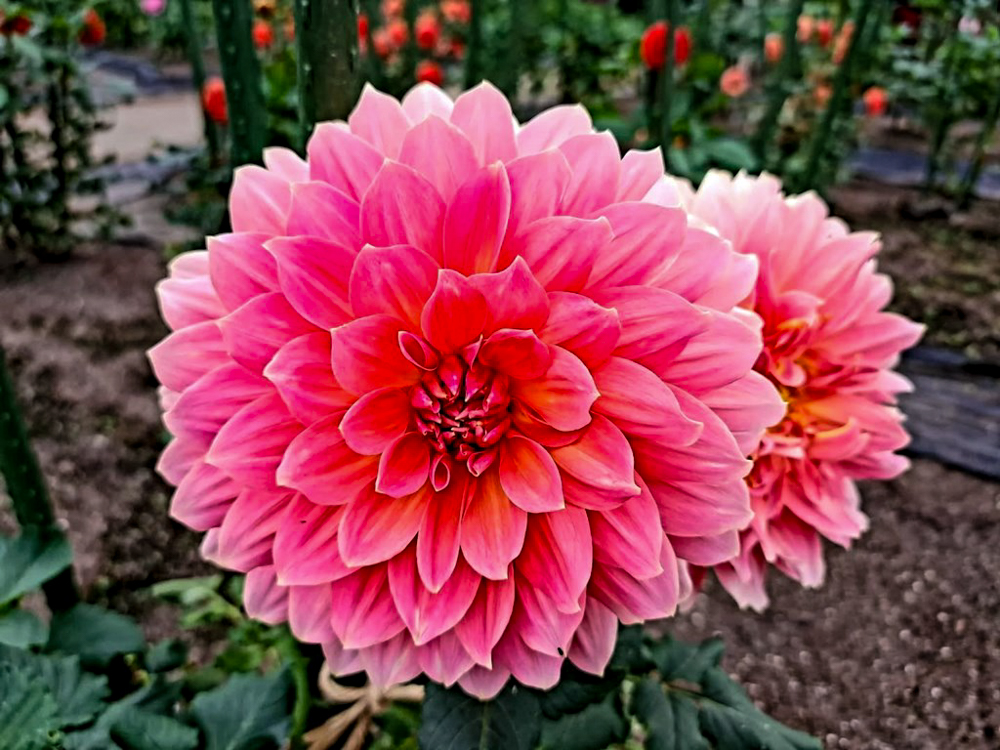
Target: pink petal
<point>519,354</point>
<point>392,280</point>
<point>188,301</point>
<point>484,684</point>
<point>259,201</point>
<point>708,272</point>
<point>392,662</point>
<point>596,165</point>
<point>476,222</point>
<point>639,403</point>
<point>561,250</point>
<point>484,623</point>
<point>322,211</point>
<point>340,660</point>
<point>707,550</point>
<point>444,659</point>
<point>249,446</point>
<point>203,497</point>
<point>541,626</point>
<point>558,556</point>
<point>309,609</point>
<point>319,464</point>
<point>313,274</point>
<point>206,406</point>
<point>285,163</point>
<point>430,614</point>
<point>426,99</point>
<point>455,315</point>
<point>256,331</point>
<point>528,666</point>
<point>719,355</point>
<point>189,265</point>
<point>630,536</point>
<point>178,458</point>
<point>634,601</point>
<point>563,396</point>
<point>594,641</point>
<point>340,158</point>
<point>263,599</point>
<point>363,611</point>
<point>747,406</point>
<point>537,185</point>
<point>553,127</point>
<point>529,476</point>
<point>441,533</point>
<point>484,115</point>
<point>640,171</point>
<point>366,355</point>
<point>404,466</point>
<point>514,297</point>
<point>240,267</point>
<point>247,533</point>
<point>402,208</point>
<point>305,545</point>
<point>303,376</point>
<point>601,458</point>
<point>375,528</point>
<point>188,354</point>
<point>380,120</point>
<point>647,239</point>
<point>492,529</point>
<point>581,326</point>
<point>375,420</point>
<point>441,153</point>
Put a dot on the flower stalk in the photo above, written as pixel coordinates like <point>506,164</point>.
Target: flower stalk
<point>781,83</point>
<point>667,81</point>
<point>197,61</point>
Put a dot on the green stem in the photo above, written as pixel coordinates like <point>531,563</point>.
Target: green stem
<point>841,84</point>
<point>299,668</point>
<point>327,37</point>
<point>241,71</point>
<point>474,50</point>
<point>26,485</point>
<point>667,81</point>
<point>781,83</point>
<point>944,116</point>
<point>515,48</point>
<point>197,61</point>
<point>979,151</point>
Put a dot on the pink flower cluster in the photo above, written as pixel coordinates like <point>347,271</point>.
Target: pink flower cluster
<point>460,395</point>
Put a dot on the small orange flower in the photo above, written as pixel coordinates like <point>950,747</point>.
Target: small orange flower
<point>822,94</point>
<point>427,30</point>
<point>653,48</point>
<point>363,26</point>
<point>876,101</point>
<point>806,27</point>
<point>382,43</point>
<point>824,32</point>
<point>774,47</point>
<point>94,30</point>
<point>429,71</point>
<point>290,29</point>
<point>263,34</point>
<point>213,99</point>
<point>392,8</point>
<point>398,32</point>
<point>456,11</point>
<point>734,82</point>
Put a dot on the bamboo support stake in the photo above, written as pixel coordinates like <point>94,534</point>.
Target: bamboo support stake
<point>241,71</point>
<point>474,49</point>
<point>197,61</point>
<point>667,81</point>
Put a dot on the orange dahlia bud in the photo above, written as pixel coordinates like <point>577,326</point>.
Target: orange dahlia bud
<point>824,32</point>
<point>774,47</point>
<point>429,71</point>
<point>263,34</point>
<point>806,27</point>
<point>734,82</point>
<point>427,30</point>
<point>213,99</point>
<point>398,32</point>
<point>456,11</point>
<point>653,48</point>
<point>876,101</point>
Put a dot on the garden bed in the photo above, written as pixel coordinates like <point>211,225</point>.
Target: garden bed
<point>896,651</point>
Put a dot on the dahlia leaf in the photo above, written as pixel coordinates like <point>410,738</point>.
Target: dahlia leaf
<point>140,730</point>
<point>27,710</point>
<point>94,634</point>
<point>158,697</point>
<point>576,691</point>
<point>246,712</point>
<point>594,728</point>
<point>21,629</point>
<point>29,560</point>
<point>454,720</point>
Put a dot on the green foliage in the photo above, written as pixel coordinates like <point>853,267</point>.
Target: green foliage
<point>94,634</point>
<point>29,560</point>
<point>246,712</point>
<point>454,720</point>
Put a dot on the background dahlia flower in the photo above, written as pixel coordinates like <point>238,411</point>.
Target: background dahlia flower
<point>830,349</point>
<point>459,395</point>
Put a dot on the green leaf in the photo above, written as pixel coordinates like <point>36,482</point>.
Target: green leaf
<point>677,660</point>
<point>139,730</point>
<point>29,560</point>
<point>157,697</point>
<point>671,723</point>
<point>78,695</point>
<point>593,728</point>
<point>166,655</point>
<point>21,629</point>
<point>454,720</point>
<point>575,691</point>
<point>731,154</point>
<point>246,712</point>
<point>27,710</point>
<point>94,634</point>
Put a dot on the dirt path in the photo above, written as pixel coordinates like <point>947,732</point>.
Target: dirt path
<point>899,650</point>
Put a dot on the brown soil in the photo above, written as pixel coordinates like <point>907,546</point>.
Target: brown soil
<point>898,650</point>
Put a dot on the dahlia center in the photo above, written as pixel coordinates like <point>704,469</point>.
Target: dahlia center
<point>463,410</point>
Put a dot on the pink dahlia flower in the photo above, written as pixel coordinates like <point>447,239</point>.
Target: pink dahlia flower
<point>830,349</point>
<point>459,395</point>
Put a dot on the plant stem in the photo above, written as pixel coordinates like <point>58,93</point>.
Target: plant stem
<point>241,71</point>
<point>667,81</point>
<point>197,62</point>
<point>515,48</point>
<point>781,81</point>
<point>841,83</point>
<point>474,50</point>
<point>979,151</point>
<point>945,117</point>
<point>26,485</point>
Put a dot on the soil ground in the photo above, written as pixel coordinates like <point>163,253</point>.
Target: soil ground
<point>899,650</point>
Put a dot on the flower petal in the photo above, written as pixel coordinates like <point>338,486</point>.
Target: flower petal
<point>562,250</point>
<point>305,545</point>
<point>558,556</point>
<point>263,599</point>
<point>363,612</point>
<point>240,267</point>
<point>440,152</point>
<point>444,659</point>
<point>553,127</point>
<point>255,331</point>
<point>519,354</point>
<point>647,238</point>
<point>630,536</point>
<point>440,536</point>
<point>455,315</point>
<point>203,408</point>
<point>537,185</point>
<point>379,119</point>
<point>601,458</point>
<point>366,355</point>
<point>514,297</point>
<point>401,207</point>
<point>484,115</point>
<point>529,476</point>
<point>375,528</point>
<point>563,396</point>
<point>426,99</point>
<point>404,466</point>
<point>246,536</point>
<point>392,280</point>
<point>375,420</point>
<point>259,201</point>
<point>250,445</point>
<point>596,165</point>
<point>635,601</point>
<point>485,621</point>
<point>187,355</point>
<point>476,222</point>
<point>430,614</point>
<point>322,211</point>
<point>581,326</point>
<point>492,528</point>
<point>313,274</point>
<point>309,609</point>
<point>203,497</point>
<point>341,159</point>
<point>640,171</point>
<point>594,641</point>
<point>303,376</point>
